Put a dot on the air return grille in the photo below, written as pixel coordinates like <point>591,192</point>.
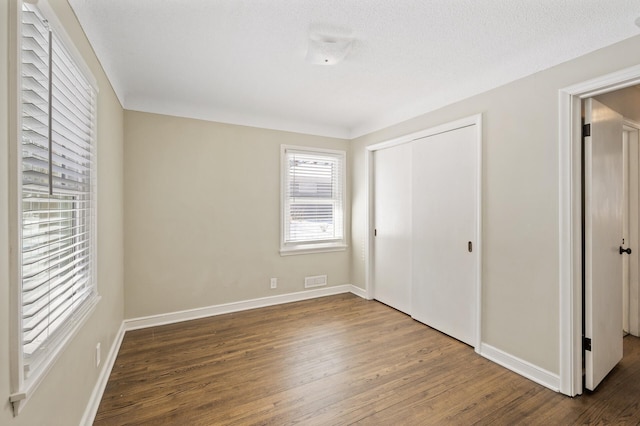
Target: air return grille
<point>315,281</point>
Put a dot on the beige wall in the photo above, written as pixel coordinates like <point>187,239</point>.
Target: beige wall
<point>202,215</point>
<point>63,396</point>
<point>625,101</point>
<point>520,200</point>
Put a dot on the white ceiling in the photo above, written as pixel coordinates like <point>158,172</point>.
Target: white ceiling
<point>242,61</point>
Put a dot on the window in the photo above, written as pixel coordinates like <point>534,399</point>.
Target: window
<point>56,195</point>
<point>312,200</point>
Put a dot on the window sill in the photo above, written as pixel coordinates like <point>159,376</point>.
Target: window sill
<point>312,248</point>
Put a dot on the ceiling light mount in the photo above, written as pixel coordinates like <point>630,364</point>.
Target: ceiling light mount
<point>328,46</point>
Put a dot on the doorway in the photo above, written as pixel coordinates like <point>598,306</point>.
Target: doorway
<point>610,228</point>
<point>570,210</point>
<point>631,222</point>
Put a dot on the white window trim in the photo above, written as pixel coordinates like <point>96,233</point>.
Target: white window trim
<point>312,248</point>
<point>288,249</point>
<point>22,389</point>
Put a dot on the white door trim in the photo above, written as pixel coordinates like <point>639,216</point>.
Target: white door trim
<point>633,130</point>
<point>627,240</point>
<point>570,238</point>
<point>474,120</point>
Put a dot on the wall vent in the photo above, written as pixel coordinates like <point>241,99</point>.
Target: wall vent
<point>315,281</point>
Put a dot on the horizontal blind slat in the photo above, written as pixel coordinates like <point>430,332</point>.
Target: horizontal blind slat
<point>36,259</point>
<point>53,264</point>
<point>41,283</point>
<point>62,309</point>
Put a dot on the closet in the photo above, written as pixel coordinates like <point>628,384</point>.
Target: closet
<point>426,227</point>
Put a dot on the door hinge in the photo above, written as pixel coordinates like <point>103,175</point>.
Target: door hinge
<point>586,130</point>
<point>587,344</point>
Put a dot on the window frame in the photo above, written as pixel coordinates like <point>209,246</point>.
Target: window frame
<point>291,247</point>
<point>23,386</point>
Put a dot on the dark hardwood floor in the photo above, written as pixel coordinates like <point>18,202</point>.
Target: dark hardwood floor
<point>337,360</point>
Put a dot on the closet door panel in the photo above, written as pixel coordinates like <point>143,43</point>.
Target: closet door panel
<point>444,228</point>
<point>392,218</point>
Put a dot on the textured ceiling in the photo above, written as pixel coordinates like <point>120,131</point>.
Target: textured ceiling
<point>242,61</point>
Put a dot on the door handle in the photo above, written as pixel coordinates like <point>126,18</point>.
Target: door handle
<point>628,251</point>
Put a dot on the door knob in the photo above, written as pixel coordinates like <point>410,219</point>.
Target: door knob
<point>628,251</point>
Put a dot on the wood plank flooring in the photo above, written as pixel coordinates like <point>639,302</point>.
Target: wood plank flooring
<point>337,360</point>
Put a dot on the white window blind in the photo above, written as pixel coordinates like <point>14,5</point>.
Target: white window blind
<point>313,197</point>
<point>57,152</point>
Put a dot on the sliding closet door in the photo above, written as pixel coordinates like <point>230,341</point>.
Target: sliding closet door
<point>392,219</point>
<point>444,225</point>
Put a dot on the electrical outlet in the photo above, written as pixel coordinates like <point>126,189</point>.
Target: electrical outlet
<point>98,355</point>
<point>274,283</point>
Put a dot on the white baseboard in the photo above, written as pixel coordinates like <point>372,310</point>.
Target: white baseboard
<point>226,308</point>
<point>359,292</point>
<point>98,390</point>
<point>522,367</point>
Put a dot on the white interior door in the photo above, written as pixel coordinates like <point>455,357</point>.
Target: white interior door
<point>634,218</point>
<point>392,219</point>
<point>603,239</point>
<point>444,228</point>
